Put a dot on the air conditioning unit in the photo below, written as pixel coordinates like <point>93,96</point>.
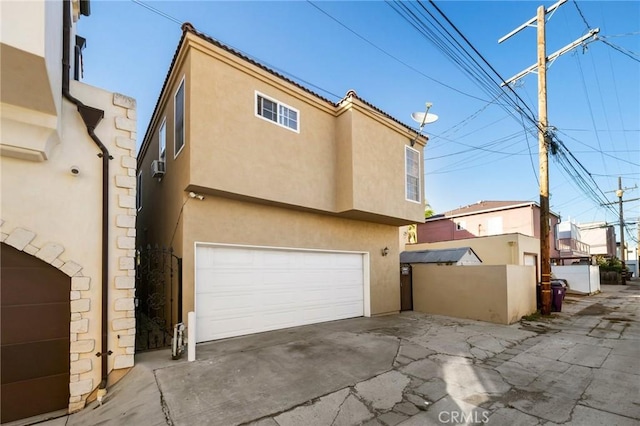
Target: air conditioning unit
<point>157,168</point>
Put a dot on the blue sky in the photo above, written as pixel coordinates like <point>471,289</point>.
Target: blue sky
<point>478,149</point>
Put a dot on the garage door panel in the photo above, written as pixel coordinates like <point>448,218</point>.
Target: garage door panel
<point>276,299</point>
<point>351,275</point>
<point>27,361</point>
<point>280,318</point>
<point>280,278</point>
<point>18,322</point>
<point>18,282</point>
<point>237,326</point>
<point>349,262</point>
<point>226,278</point>
<point>49,393</point>
<point>347,294</point>
<point>220,302</point>
<point>277,259</point>
<point>34,331</point>
<point>249,290</point>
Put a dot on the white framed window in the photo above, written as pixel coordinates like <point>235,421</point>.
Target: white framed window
<point>412,174</point>
<point>283,115</point>
<point>178,122</point>
<point>139,192</point>
<point>461,225</point>
<point>162,141</point>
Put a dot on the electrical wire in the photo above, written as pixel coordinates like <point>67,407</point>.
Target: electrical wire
<point>582,15</point>
<point>395,58</point>
<point>157,12</point>
<point>633,55</point>
<point>425,23</point>
<point>599,150</point>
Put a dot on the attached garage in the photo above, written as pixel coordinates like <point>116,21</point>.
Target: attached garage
<point>34,332</point>
<point>242,290</point>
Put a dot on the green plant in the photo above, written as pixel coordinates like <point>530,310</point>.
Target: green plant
<point>609,264</point>
<point>532,317</point>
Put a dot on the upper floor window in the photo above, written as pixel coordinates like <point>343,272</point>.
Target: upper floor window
<point>412,173</point>
<point>279,113</point>
<point>139,191</point>
<point>179,119</point>
<point>162,141</point>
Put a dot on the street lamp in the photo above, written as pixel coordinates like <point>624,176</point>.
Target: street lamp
<point>423,118</point>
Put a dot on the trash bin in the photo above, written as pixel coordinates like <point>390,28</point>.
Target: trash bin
<point>557,295</point>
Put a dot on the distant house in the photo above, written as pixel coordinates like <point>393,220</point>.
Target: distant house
<point>479,225</point>
<point>67,155</point>
<point>486,218</point>
<point>283,206</point>
<point>600,237</point>
<point>570,244</point>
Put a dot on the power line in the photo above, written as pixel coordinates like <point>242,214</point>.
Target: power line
<point>157,12</point>
<point>633,55</point>
<point>599,150</point>
<point>532,117</point>
<point>423,21</point>
<point>582,15</point>
<point>395,58</point>
<point>590,108</point>
<point>481,147</point>
<point>601,130</point>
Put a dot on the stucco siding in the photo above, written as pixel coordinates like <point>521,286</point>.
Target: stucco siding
<point>159,218</point>
<point>499,294</point>
<point>379,169</point>
<point>521,292</point>
<point>235,151</point>
<point>342,159</point>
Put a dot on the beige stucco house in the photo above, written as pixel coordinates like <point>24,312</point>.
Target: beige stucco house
<point>283,205</point>
<point>67,217</point>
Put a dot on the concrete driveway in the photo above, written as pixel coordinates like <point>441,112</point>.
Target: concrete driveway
<point>580,367</point>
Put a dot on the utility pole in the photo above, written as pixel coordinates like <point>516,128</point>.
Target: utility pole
<point>619,193</point>
<point>543,137</point>
<point>623,252</point>
<point>545,256</point>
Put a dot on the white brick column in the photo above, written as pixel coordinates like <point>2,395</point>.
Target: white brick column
<point>122,314</point>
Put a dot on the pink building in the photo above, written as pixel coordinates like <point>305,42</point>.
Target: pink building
<point>487,218</point>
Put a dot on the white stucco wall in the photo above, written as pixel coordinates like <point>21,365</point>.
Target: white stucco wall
<point>583,279</point>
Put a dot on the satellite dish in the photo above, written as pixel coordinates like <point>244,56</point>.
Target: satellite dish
<point>424,117</point>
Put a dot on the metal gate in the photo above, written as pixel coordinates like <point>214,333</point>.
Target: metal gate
<point>158,297</point>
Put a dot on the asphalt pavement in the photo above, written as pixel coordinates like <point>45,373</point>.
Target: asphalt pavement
<point>580,366</point>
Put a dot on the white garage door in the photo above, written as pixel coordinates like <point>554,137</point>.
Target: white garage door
<point>249,290</point>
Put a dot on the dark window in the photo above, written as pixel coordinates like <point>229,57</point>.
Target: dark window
<point>179,120</point>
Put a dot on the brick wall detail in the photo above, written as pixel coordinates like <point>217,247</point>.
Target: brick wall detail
<point>122,321</point>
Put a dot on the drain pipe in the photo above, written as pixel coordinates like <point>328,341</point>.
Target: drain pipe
<point>91,117</point>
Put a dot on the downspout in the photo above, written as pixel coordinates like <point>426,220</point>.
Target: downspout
<point>91,117</point>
